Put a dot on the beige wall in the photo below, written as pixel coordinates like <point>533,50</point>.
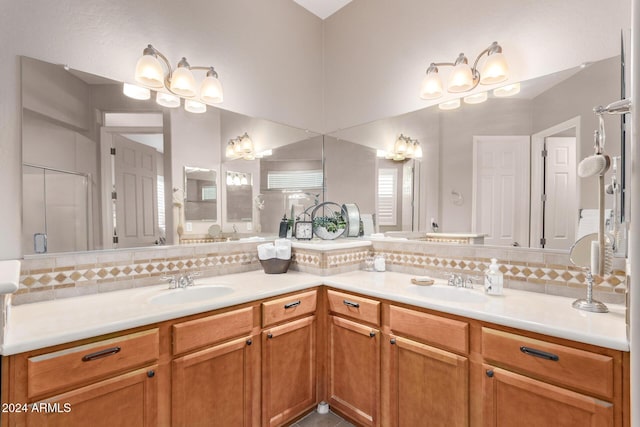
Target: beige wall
<point>377,51</point>
<point>265,71</point>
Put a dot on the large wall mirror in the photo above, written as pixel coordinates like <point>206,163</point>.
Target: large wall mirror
<point>482,169</point>
<point>73,179</point>
<point>104,171</point>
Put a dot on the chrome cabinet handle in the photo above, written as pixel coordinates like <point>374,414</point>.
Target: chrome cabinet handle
<point>292,304</point>
<point>539,353</point>
<point>100,354</point>
<point>351,303</point>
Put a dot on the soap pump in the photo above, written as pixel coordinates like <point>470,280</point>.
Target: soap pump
<point>493,279</point>
<point>284,227</point>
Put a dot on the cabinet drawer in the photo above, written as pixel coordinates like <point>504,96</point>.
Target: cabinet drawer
<point>439,331</point>
<point>582,370</point>
<point>290,307</point>
<point>209,330</point>
<point>359,308</point>
<point>86,363</point>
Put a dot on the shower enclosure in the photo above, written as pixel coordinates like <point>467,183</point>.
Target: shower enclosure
<point>56,212</point>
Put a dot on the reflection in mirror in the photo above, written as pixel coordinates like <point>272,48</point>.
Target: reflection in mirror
<point>93,163</point>
<point>287,172</point>
<point>72,119</point>
<point>480,161</point>
<point>201,194</point>
<point>239,197</point>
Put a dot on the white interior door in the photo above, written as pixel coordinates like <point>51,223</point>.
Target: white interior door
<point>501,189</point>
<point>559,201</point>
<point>136,188</point>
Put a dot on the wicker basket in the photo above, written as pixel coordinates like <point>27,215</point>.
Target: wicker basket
<point>275,265</point>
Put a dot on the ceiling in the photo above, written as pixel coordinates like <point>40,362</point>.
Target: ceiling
<point>323,8</point>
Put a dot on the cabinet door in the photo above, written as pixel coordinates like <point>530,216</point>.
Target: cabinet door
<point>213,384</point>
<point>511,399</point>
<point>288,370</point>
<point>354,370</point>
<point>126,400</point>
<point>429,386</point>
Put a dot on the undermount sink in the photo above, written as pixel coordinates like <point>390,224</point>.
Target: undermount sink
<point>449,293</point>
<point>190,294</point>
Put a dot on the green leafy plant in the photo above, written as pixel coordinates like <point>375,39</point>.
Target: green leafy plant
<point>330,223</point>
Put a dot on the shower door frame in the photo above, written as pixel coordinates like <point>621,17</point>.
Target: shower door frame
<point>89,200</point>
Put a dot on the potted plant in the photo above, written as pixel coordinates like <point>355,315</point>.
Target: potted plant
<point>329,227</point>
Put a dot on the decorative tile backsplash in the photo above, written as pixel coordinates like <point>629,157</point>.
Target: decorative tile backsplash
<point>68,275</point>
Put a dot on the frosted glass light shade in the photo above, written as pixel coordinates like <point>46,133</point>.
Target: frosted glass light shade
<point>476,98</point>
<point>246,144</point>
<point>461,78</point>
<point>508,90</point>
<point>136,92</point>
<point>149,71</point>
<point>229,153</point>
<point>400,146</point>
<point>431,87</point>
<point>418,151</point>
<point>211,90</point>
<point>182,82</point>
<point>167,100</point>
<point>495,69</point>
<point>449,105</point>
<point>194,106</point>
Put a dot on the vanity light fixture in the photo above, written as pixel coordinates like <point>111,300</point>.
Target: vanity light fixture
<point>476,98</point>
<point>508,90</point>
<point>136,92</point>
<point>167,100</point>
<point>450,105</point>
<point>404,148</point>
<point>237,179</point>
<point>178,81</point>
<point>464,78</point>
<point>242,147</point>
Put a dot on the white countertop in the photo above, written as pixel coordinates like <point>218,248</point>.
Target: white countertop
<point>44,324</point>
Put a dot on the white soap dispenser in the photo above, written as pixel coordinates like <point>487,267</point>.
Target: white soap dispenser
<point>493,279</point>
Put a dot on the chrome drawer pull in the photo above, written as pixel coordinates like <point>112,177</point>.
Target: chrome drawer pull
<point>539,353</point>
<point>100,354</point>
<point>292,304</point>
<point>351,304</point>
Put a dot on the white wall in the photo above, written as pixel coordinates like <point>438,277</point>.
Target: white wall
<point>268,56</point>
<point>377,51</point>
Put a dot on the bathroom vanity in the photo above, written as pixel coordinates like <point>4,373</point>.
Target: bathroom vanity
<point>380,350</point>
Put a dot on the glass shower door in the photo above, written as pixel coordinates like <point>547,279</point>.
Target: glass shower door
<point>56,214</point>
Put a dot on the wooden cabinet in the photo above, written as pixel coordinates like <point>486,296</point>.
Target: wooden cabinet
<point>428,386</point>
<point>125,400</point>
<point>103,383</point>
<point>288,370</point>
<point>544,383</point>
<point>510,398</point>
<point>214,384</point>
<point>354,370</point>
<point>427,383</point>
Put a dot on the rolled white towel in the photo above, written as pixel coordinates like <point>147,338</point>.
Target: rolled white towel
<point>9,276</point>
<point>283,248</point>
<point>266,251</point>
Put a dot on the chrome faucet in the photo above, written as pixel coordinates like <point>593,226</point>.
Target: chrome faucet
<point>460,281</point>
<point>181,281</point>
